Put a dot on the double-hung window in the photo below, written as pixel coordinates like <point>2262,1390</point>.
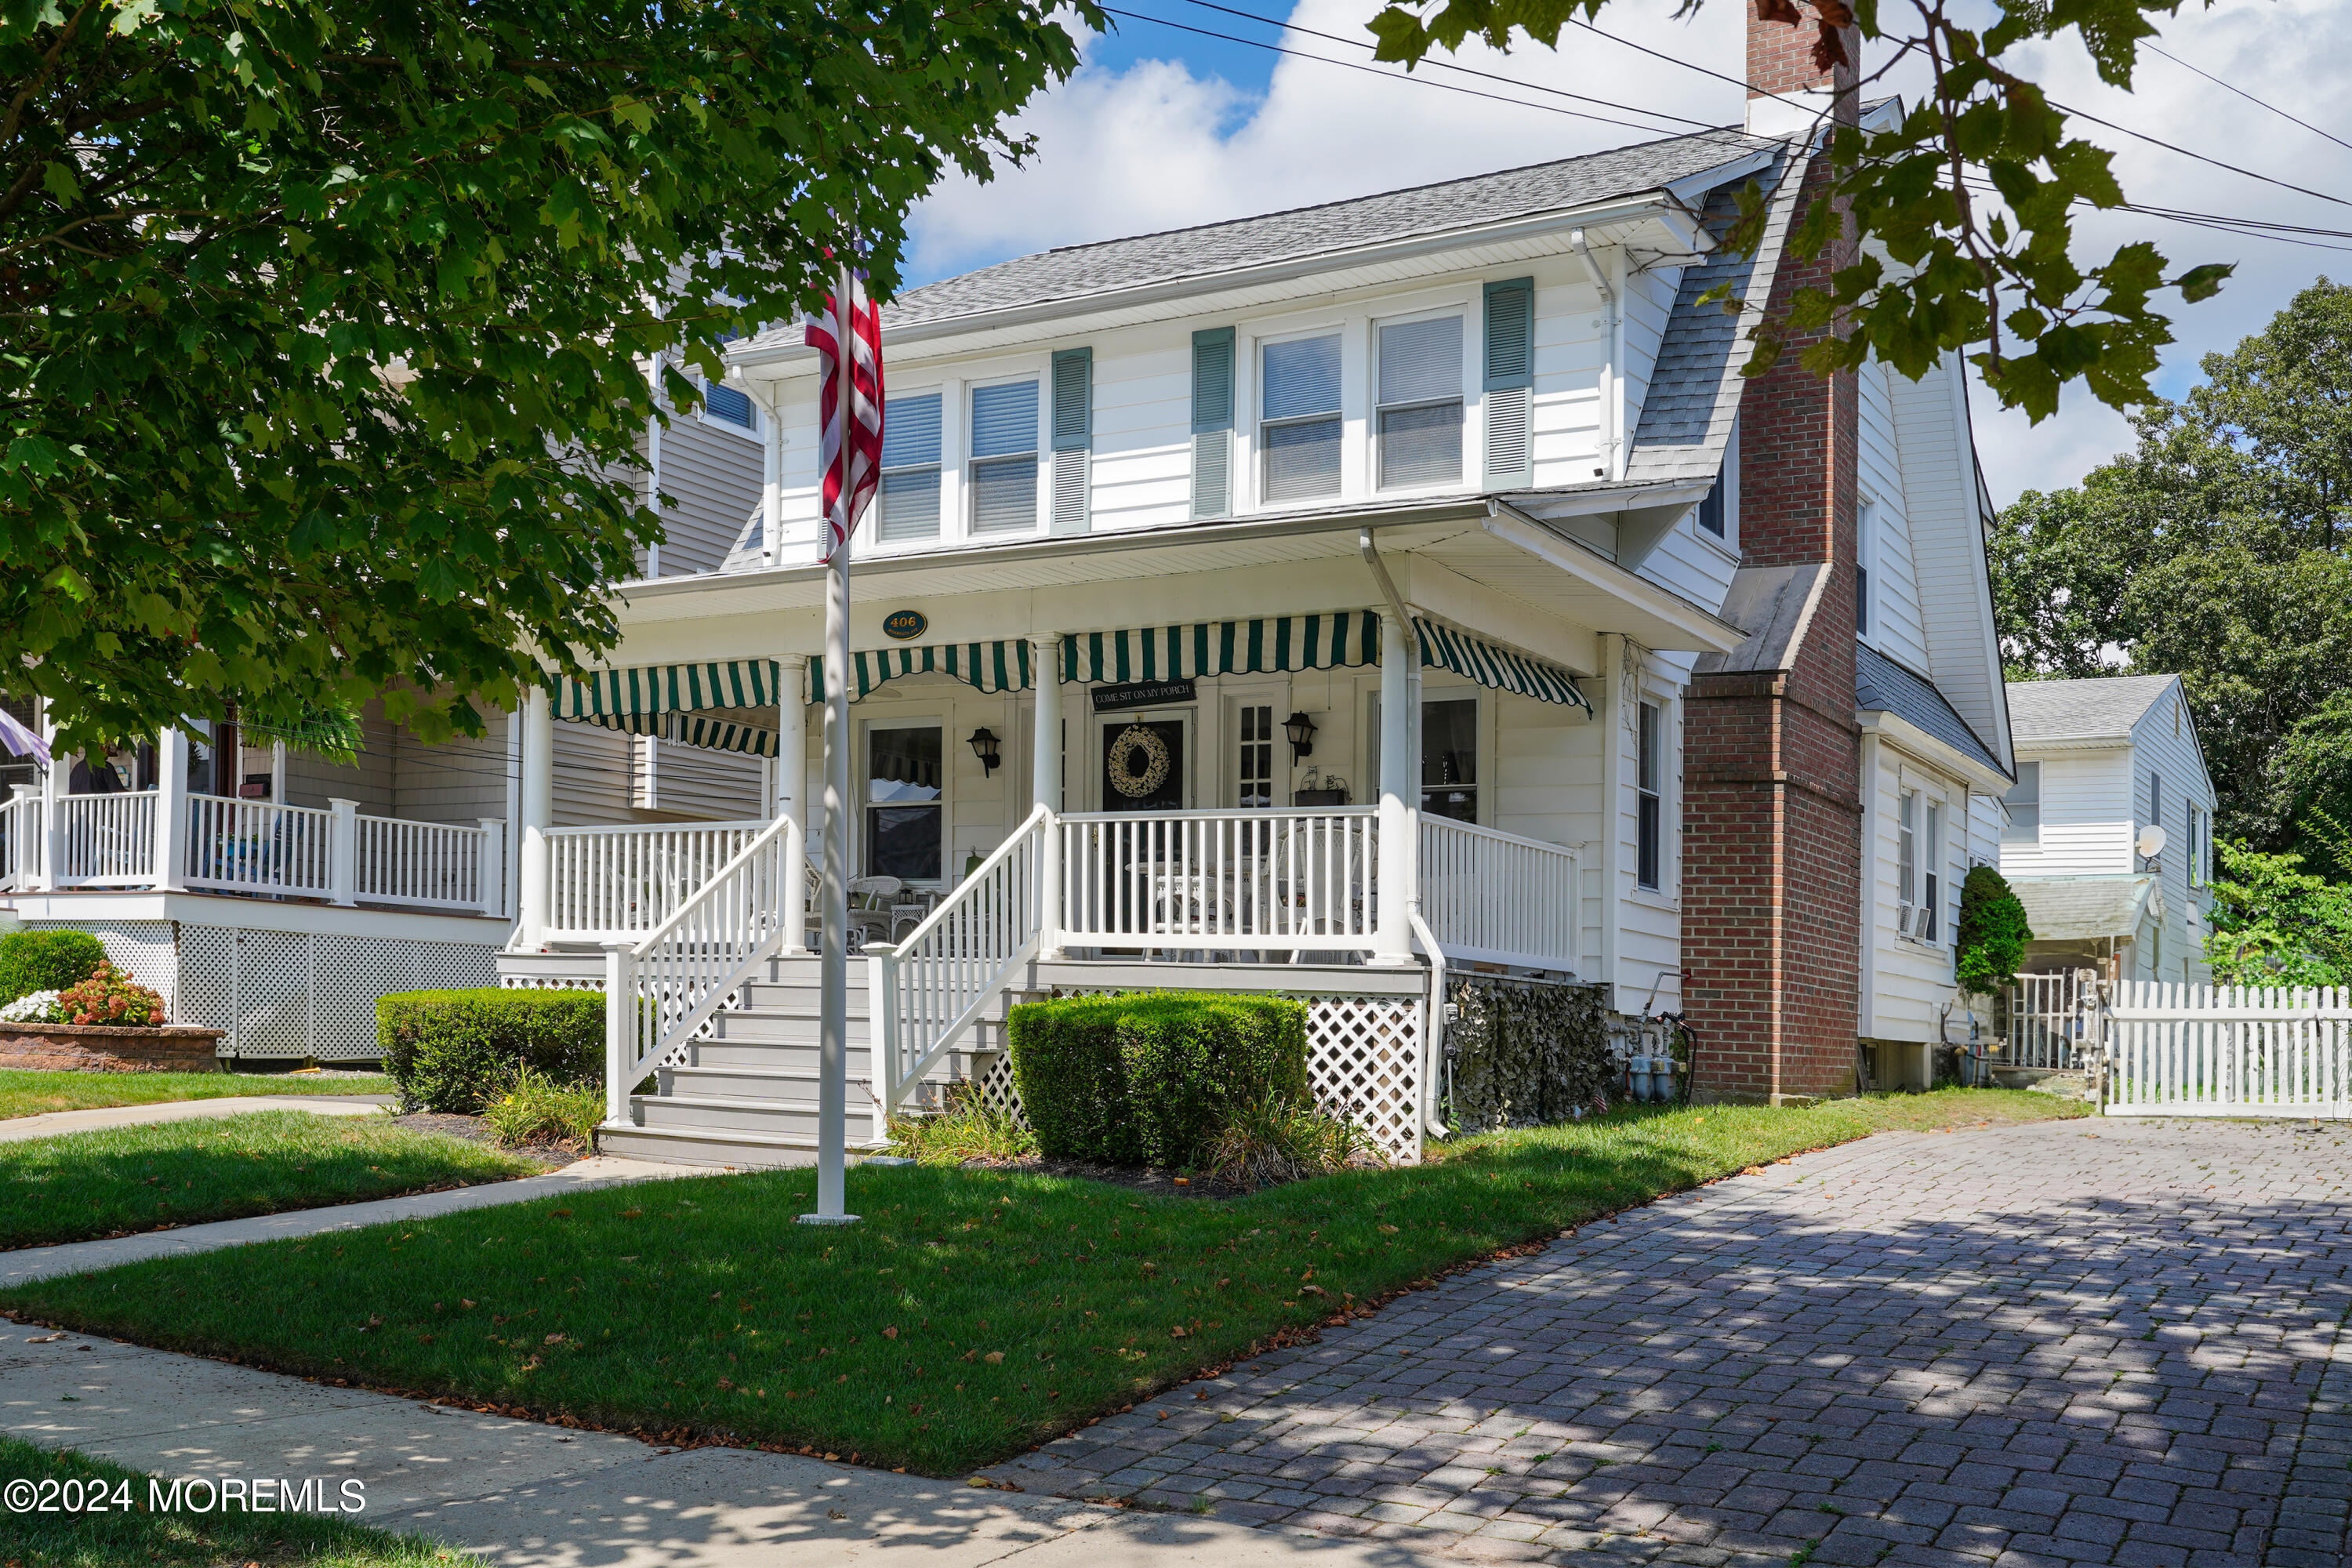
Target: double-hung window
<point>1419,413</point>
<point>1004,457</point>
<point>1929,924</point>
<point>729,405</point>
<point>2024,799</point>
<point>2198,833</point>
<point>905,778</point>
<point>1300,431</point>
<point>1650,822</point>
<point>1449,758</point>
<point>911,468</point>
<point>1906,861</point>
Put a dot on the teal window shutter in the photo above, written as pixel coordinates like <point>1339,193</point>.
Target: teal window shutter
<point>1510,384</point>
<point>1074,427</point>
<point>1212,422</point>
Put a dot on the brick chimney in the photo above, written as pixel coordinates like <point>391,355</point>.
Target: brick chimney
<point>1786,90</point>
<point>1773,921</point>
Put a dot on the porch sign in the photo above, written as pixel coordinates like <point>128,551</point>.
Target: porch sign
<point>848,341</point>
<point>1143,694</point>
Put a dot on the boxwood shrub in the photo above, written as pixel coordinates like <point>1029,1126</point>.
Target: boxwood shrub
<point>1147,1077</point>
<point>457,1051</point>
<point>33,961</point>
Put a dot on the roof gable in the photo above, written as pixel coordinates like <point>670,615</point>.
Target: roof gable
<point>2100,709</point>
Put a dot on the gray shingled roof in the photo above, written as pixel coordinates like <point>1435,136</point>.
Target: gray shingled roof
<point>2102,707</point>
<point>2083,908</point>
<point>1883,686</point>
<point>1074,272</point>
<point>1692,399</point>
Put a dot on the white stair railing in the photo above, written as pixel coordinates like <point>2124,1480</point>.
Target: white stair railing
<point>1500,898</point>
<point>927,991</point>
<point>20,842</point>
<point>1280,880</point>
<point>660,989</point>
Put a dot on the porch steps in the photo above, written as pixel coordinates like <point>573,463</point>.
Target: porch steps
<point>746,1096</point>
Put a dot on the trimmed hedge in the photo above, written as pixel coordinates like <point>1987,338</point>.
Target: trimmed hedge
<point>33,961</point>
<point>455,1051</point>
<point>1149,1078</point>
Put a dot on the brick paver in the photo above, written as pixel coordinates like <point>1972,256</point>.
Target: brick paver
<point>2074,1342</point>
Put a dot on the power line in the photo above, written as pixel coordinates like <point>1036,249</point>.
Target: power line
<point>2249,97</point>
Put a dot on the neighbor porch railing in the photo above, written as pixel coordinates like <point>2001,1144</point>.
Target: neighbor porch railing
<point>624,879</point>
<point>254,847</point>
<point>1273,880</point>
<point>1496,898</point>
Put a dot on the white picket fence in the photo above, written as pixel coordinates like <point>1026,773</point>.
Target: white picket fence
<point>2206,1050</point>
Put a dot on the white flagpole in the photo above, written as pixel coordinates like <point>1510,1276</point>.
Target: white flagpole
<point>833,900</point>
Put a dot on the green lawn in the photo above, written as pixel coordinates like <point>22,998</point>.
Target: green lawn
<point>972,1314</point>
<point>182,1538</point>
<point>78,1185</point>
<point>31,1093</point>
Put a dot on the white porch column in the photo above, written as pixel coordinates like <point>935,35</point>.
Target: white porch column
<point>491,874</point>
<point>1400,794</point>
<point>1045,784</point>
<point>536,895</point>
<point>171,810</point>
<point>791,790</point>
<point>343,850</point>
<point>50,834</point>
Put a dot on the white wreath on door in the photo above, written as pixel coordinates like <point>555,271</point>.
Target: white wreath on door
<point>1136,785</point>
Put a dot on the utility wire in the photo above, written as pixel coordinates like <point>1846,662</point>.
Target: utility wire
<point>2249,97</point>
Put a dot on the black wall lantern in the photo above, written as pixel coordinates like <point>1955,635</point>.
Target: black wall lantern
<point>1301,730</point>
<point>983,746</point>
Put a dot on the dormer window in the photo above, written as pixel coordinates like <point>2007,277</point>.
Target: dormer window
<point>1420,414</point>
<point>1301,430</point>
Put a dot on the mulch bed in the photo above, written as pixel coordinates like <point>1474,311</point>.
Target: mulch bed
<point>548,1156</point>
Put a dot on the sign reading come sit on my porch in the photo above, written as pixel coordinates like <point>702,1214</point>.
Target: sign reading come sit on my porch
<point>1142,694</point>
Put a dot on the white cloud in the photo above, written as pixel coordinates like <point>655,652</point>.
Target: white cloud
<point>1154,146</point>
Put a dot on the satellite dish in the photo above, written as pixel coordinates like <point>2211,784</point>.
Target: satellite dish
<point>2151,842</point>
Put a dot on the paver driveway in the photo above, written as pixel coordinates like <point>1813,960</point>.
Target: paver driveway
<point>2082,1341</point>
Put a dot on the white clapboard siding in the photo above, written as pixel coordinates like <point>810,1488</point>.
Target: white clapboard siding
<point>1896,627</point>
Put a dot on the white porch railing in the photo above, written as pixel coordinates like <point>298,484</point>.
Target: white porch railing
<point>1273,880</point>
<point>256,846</point>
<point>20,844</point>
<point>432,865</point>
<point>661,990</point>
<point>1496,898</point>
<point>927,991</point>
<point>105,840</point>
<point>621,880</point>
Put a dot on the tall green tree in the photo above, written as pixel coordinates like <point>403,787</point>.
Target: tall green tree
<point>325,321</point>
<point>2218,549</point>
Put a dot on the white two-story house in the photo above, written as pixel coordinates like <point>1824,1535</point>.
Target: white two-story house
<point>2099,764</point>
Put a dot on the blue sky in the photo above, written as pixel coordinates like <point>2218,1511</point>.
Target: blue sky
<point>1162,129</point>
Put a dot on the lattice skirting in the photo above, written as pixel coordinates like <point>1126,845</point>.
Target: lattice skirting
<point>303,993</point>
<point>1363,1062</point>
<point>144,950</point>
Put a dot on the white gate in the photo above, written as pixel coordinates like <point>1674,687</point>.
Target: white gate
<point>2054,1021</point>
<point>2206,1050</point>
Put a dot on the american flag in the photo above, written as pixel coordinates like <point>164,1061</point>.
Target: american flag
<point>853,468</point>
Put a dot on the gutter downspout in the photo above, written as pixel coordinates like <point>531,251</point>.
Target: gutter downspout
<point>1613,412</point>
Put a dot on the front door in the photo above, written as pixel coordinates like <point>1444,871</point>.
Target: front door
<point>1143,765</point>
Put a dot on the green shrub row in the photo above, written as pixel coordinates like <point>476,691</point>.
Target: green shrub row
<point>1151,1077</point>
<point>458,1051</point>
<point>33,961</point>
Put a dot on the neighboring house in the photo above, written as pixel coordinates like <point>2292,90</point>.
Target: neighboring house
<point>1363,570</point>
<point>302,888</point>
<point>2098,763</point>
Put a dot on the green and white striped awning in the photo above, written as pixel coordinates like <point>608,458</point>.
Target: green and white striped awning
<point>986,666</point>
<point>1497,669</point>
<point>642,699</point>
<point>1267,646</point>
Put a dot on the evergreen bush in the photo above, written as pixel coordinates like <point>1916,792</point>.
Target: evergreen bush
<point>33,961</point>
<point>458,1051</point>
<point>1992,935</point>
<point>1150,1078</point>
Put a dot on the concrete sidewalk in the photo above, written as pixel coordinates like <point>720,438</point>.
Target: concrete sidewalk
<point>27,1264</point>
<point>51,1123</point>
<point>522,1495</point>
